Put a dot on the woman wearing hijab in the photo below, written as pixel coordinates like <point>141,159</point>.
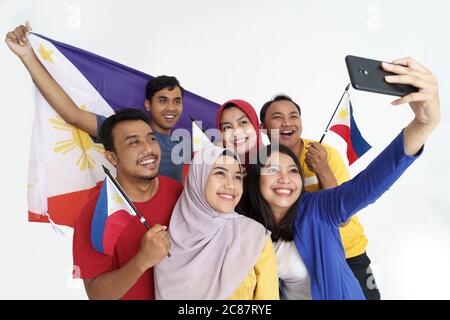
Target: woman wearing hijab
<point>238,122</point>
<point>216,253</point>
<point>305,226</point>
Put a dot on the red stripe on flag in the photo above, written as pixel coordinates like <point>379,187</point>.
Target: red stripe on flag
<point>115,224</point>
<point>64,208</point>
<point>344,132</point>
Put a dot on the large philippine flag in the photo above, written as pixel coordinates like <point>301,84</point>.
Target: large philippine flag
<point>344,125</point>
<point>65,167</point>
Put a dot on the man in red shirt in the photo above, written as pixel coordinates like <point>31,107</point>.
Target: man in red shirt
<point>132,148</point>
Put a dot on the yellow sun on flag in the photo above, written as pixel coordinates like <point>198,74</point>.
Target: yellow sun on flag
<point>46,54</point>
<point>343,114</point>
<point>80,140</point>
<point>118,199</point>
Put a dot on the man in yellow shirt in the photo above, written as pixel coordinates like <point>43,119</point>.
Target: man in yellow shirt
<point>323,168</point>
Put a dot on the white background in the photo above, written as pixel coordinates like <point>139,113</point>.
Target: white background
<point>250,50</point>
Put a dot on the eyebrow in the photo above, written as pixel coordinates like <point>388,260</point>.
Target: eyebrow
<point>229,122</point>
<point>278,113</point>
<point>225,169</point>
<point>150,134</point>
<point>220,168</point>
<point>164,97</point>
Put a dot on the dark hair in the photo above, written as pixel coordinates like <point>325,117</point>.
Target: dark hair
<point>160,83</point>
<point>261,211</point>
<point>105,135</point>
<point>280,97</point>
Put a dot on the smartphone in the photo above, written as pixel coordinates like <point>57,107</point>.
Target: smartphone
<point>368,75</point>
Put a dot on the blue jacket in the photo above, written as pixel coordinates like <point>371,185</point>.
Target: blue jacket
<point>316,233</point>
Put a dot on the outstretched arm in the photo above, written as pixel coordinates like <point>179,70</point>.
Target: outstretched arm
<point>424,103</point>
<point>337,205</point>
<point>57,98</point>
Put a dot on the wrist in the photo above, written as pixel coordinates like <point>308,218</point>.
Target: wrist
<point>28,58</point>
<point>141,262</point>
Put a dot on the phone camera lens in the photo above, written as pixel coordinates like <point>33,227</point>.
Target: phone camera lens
<point>362,71</point>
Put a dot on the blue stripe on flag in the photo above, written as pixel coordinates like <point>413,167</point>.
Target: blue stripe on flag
<point>99,219</point>
<point>124,87</point>
<point>360,145</point>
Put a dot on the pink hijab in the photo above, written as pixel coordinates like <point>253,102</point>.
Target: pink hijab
<point>211,253</point>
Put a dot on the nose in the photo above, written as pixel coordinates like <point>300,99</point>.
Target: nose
<point>171,106</point>
<point>286,122</point>
<point>283,177</point>
<point>229,184</point>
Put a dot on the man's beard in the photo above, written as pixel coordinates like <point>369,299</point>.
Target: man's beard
<point>150,178</point>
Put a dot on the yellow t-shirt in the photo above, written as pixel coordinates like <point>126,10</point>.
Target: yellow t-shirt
<point>352,235</point>
<point>262,281</point>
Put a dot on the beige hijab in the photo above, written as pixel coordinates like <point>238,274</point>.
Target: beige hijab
<point>211,253</point>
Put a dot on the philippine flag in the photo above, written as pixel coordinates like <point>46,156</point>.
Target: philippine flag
<point>65,167</point>
<point>344,125</point>
<point>111,216</point>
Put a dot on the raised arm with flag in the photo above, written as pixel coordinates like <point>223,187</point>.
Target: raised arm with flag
<point>77,90</point>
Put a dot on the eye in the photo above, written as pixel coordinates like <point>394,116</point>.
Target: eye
<point>134,142</point>
<point>220,173</point>
<point>178,102</point>
<point>162,100</point>
<point>238,177</point>
<point>226,128</point>
<point>295,116</point>
<point>270,170</point>
<point>294,171</point>
<point>243,122</point>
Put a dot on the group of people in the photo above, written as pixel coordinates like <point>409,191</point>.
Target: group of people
<point>250,221</point>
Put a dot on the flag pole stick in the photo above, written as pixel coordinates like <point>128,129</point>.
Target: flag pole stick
<point>119,187</point>
<point>335,110</point>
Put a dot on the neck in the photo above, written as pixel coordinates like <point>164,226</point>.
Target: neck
<point>160,129</point>
<point>138,190</point>
<point>298,147</point>
<point>278,214</point>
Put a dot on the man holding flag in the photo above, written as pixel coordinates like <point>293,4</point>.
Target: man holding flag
<point>125,271</point>
<point>323,168</point>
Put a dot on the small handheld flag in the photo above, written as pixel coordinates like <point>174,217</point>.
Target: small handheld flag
<point>343,123</point>
<point>113,212</point>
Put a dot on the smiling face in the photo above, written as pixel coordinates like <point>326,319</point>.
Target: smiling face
<point>165,108</point>
<point>238,132</point>
<point>280,183</point>
<point>223,189</point>
<point>284,116</point>
<point>137,153</point>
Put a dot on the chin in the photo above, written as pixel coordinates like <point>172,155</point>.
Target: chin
<point>149,177</point>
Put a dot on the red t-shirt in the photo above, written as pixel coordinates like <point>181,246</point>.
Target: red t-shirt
<point>90,263</point>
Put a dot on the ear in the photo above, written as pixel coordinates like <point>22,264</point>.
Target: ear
<point>111,157</point>
<point>148,105</point>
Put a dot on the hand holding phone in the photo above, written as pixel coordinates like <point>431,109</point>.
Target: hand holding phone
<point>369,75</point>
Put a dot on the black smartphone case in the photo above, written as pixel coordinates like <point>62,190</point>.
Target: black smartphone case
<point>368,75</point>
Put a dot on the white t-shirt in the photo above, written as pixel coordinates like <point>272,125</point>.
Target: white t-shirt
<point>293,274</point>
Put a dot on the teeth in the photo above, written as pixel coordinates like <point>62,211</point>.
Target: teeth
<point>286,132</point>
<point>240,141</point>
<point>283,191</point>
<point>226,196</point>
<point>146,162</point>
<point>169,117</point>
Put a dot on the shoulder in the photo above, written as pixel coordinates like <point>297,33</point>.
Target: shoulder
<point>247,224</point>
<point>86,214</point>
